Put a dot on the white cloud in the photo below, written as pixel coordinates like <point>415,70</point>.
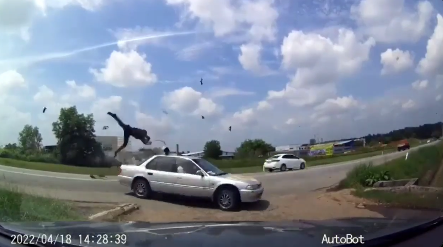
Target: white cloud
<point>419,85</point>
<point>408,104</point>
<point>337,106</point>
<point>101,106</point>
<point>303,96</point>
<point>250,59</point>
<point>79,92</point>
<point>44,94</point>
<point>16,16</point>
<point>192,52</point>
<point>256,20</point>
<point>126,69</point>
<point>188,101</point>
<point>10,80</point>
<point>13,119</point>
<point>393,21</point>
<point>242,119</point>
<point>221,92</point>
<point>432,64</point>
<point>395,61</point>
<point>291,121</point>
<point>264,105</point>
<point>90,5</point>
<point>320,60</point>
<point>318,63</point>
<point>157,128</point>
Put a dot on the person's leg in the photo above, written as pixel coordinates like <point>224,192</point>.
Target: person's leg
<point>116,118</point>
<point>125,143</point>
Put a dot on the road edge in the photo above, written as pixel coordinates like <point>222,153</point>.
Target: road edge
<point>115,212</point>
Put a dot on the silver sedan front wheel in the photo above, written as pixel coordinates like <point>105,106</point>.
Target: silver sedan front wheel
<point>227,199</point>
<point>141,188</point>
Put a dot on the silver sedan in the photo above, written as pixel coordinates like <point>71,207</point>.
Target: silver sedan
<point>190,176</point>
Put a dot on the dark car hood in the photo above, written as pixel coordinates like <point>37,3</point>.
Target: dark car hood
<point>143,234</point>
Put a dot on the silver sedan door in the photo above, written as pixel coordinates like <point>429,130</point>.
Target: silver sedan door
<point>160,175</point>
<point>189,182</point>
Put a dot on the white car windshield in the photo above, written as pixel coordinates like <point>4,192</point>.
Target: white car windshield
<point>209,168</point>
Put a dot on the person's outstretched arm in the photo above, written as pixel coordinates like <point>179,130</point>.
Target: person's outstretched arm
<point>116,118</point>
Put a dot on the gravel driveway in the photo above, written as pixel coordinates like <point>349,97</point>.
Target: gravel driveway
<point>320,205</point>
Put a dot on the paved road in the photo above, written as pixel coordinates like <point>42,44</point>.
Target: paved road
<point>83,188</point>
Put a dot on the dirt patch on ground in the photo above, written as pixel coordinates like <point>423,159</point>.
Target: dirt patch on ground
<point>316,206</point>
<point>320,205</point>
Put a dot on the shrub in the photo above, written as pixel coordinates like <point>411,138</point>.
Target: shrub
<point>44,158</point>
<point>32,157</point>
<point>10,154</point>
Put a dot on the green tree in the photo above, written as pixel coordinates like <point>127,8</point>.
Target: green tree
<point>254,148</point>
<point>75,136</point>
<point>212,149</point>
<point>30,139</point>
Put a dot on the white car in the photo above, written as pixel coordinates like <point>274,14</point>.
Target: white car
<point>284,162</point>
<point>189,176</point>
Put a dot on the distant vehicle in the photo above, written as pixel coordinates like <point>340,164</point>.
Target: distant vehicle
<point>284,162</point>
<point>404,145</point>
<point>189,176</point>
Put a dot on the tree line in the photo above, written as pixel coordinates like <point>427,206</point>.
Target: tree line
<point>248,148</point>
<point>259,147</point>
<point>76,143</point>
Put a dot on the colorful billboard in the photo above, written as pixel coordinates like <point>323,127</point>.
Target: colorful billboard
<point>322,149</point>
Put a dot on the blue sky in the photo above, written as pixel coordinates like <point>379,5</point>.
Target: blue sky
<point>284,71</point>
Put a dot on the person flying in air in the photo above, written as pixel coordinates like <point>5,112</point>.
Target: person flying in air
<point>129,131</point>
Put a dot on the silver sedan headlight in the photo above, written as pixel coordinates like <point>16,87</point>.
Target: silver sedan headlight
<point>253,186</point>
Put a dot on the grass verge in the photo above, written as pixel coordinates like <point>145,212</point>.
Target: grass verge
<point>59,167</point>
<point>16,206</point>
<point>423,164</point>
<point>232,166</point>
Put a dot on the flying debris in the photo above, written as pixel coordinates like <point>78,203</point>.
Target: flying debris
<point>398,58</point>
<point>203,117</point>
<point>44,109</point>
<point>165,112</point>
<point>201,81</point>
<point>105,127</point>
<point>230,128</point>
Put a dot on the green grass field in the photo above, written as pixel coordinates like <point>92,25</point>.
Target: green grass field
<point>422,164</point>
<point>232,166</point>
<point>18,207</point>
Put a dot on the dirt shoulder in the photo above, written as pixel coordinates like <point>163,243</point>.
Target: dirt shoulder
<point>316,206</point>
